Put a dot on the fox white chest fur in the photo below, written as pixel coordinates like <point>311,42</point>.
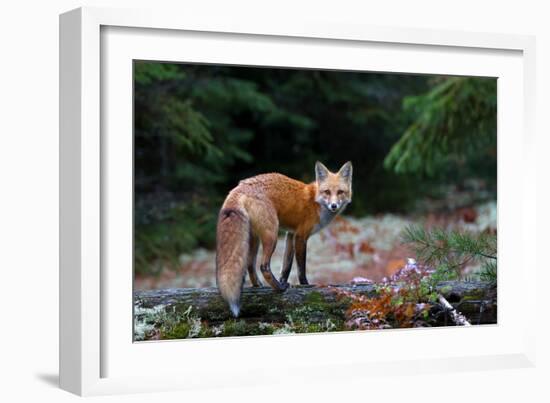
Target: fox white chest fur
<point>325,218</point>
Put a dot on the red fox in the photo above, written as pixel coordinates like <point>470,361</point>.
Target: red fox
<point>252,213</point>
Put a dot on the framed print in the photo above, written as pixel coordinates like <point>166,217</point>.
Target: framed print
<point>236,192</point>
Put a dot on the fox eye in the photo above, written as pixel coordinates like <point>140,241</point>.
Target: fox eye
<point>340,192</point>
<point>327,192</point>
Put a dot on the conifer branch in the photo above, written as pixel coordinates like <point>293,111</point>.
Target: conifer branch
<point>449,251</point>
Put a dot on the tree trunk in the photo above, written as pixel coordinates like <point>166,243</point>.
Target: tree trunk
<point>475,300</point>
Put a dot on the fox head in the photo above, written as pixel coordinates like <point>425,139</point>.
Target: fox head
<point>333,189</point>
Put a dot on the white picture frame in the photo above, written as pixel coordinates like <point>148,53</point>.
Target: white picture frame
<point>97,355</point>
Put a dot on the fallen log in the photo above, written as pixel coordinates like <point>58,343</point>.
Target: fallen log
<point>311,304</point>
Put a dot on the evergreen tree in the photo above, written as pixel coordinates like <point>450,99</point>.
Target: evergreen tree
<point>453,126</point>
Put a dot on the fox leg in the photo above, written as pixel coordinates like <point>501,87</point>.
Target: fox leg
<point>268,247</point>
<point>251,262</point>
<point>300,245</point>
<point>268,238</point>
<point>288,258</point>
<point>265,225</point>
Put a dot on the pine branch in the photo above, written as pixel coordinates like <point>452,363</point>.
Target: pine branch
<point>488,256</point>
<point>440,243</point>
<point>449,251</point>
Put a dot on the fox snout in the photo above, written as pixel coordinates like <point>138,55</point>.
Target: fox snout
<point>334,206</point>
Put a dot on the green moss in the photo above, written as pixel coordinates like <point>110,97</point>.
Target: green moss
<point>315,297</point>
<point>329,324</point>
<point>206,331</point>
<point>472,297</point>
<point>307,314</point>
<point>178,331</point>
<point>242,328</point>
<point>308,327</point>
<point>180,310</point>
<point>217,310</point>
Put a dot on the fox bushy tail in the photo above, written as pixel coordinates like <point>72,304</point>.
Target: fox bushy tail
<point>232,246</point>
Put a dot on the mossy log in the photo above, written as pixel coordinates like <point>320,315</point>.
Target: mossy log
<point>312,304</point>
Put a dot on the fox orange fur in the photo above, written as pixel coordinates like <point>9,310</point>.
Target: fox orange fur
<point>252,214</point>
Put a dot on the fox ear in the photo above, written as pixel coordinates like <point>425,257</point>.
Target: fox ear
<point>346,171</point>
<point>321,172</point>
